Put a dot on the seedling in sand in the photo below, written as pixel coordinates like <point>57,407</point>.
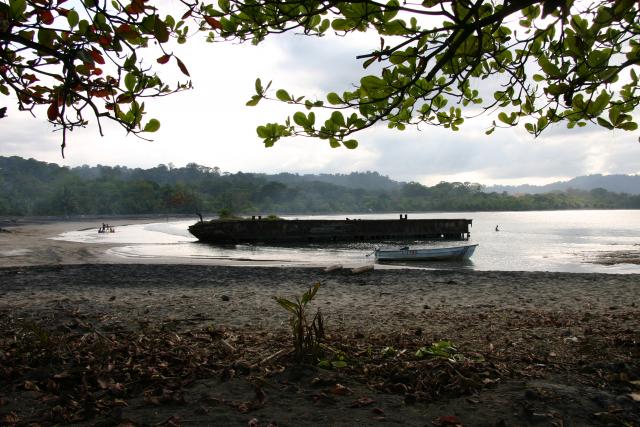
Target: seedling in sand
<point>306,335</point>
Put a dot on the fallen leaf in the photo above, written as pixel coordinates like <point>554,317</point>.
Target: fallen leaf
<point>11,418</point>
<point>340,390</point>
<point>448,420</point>
<point>363,401</point>
<point>28,385</point>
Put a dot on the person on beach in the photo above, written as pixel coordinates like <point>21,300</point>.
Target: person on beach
<point>497,229</point>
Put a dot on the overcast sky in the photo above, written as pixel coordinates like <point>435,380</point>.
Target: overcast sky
<point>211,125</point>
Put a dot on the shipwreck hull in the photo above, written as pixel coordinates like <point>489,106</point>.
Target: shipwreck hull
<point>318,230</point>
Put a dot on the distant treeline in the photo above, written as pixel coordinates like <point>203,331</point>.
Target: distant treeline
<point>31,187</point>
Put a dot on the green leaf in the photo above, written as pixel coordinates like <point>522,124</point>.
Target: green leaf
<point>283,95</point>
<point>17,8</point>
<point>73,18</point>
<point>224,5</point>
<point>372,82</point>
<point>548,67</point>
<point>350,144</point>
<point>333,98</point>
<point>602,122</point>
<point>300,119</point>
<point>160,31</point>
<point>337,118</point>
<point>339,364</point>
<point>130,81</point>
<point>341,25</point>
<point>629,126</point>
<point>311,119</point>
<point>599,104</point>
<point>259,88</point>
<point>262,132</point>
<point>152,126</point>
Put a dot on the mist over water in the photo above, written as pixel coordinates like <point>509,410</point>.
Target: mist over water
<point>567,241</point>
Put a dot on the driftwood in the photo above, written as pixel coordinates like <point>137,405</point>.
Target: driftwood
<point>362,269</point>
<point>228,346</point>
<point>333,267</point>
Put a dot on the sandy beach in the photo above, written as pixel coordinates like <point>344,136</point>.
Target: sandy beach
<point>90,340</point>
<point>29,242</point>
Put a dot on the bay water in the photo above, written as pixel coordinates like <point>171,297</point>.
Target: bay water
<point>567,241</point>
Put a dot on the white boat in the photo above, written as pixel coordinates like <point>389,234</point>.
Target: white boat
<point>425,254</point>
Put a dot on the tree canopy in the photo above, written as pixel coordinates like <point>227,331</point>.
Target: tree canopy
<point>530,62</point>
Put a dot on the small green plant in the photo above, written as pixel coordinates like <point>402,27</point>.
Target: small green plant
<point>307,336</point>
<point>339,362</point>
<point>389,352</point>
<point>443,349</point>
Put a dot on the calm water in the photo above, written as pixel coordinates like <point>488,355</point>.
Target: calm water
<point>532,241</point>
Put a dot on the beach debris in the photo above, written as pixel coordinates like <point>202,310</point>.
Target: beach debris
<point>362,269</point>
<point>448,421</point>
<point>340,390</point>
<point>228,346</point>
<point>362,401</point>
<point>274,356</point>
<point>225,298</point>
<point>333,267</point>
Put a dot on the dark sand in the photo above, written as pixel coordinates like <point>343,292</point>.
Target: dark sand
<point>532,348</point>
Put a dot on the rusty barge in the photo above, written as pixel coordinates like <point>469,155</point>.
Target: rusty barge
<point>258,230</point>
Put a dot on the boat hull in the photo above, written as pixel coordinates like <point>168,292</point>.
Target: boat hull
<point>430,254</point>
<point>289,231</point>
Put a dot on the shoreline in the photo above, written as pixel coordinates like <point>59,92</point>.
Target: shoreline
<point>34,243</point>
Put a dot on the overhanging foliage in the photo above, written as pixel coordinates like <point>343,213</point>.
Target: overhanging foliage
<point>530,62</point>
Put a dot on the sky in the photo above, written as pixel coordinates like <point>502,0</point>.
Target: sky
<point>210,125</point>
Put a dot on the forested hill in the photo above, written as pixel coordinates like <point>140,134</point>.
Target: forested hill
<point>616,183</point>
<point>31,187</point>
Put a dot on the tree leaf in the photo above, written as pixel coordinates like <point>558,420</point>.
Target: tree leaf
<point>52,111</point>
<point>160,30</point>
<point>283,95</point>
<point>333,98</point>
<point>253,101</point>
<point>163,59</point>
<point>152,126</point>
<point>300,119</point>
<point>182,67</point>
<point>213,22</point>
<point>350,144</point>
<point>97,56</point>
<point>130,81</point>
<point>73,18</point>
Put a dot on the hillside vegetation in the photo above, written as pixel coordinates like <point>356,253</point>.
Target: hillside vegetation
<point>31,187</point>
